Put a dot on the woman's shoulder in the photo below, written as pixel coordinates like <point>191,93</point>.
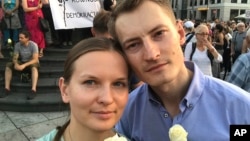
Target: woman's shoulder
<point>49,137</point>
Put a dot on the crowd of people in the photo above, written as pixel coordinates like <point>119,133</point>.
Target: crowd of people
<point>177,84</point>
<point>228,40</point>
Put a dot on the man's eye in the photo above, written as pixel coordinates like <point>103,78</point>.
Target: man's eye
<point>159,34</point>
<point>132,45</point>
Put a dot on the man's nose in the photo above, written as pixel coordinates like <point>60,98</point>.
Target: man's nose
<point>151,50</point>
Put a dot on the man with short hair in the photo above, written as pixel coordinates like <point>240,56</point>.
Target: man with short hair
<point>240,73</point>
<point>175,91</point>
<point>25,56</point>
<point>237,40</point>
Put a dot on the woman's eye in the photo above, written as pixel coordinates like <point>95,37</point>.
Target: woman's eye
<point>120,84</point>
<point>89,82</point>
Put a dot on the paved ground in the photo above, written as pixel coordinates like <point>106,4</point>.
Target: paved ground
<point>16,126</point>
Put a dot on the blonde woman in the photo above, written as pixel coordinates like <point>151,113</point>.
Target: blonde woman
<point>202,53</point>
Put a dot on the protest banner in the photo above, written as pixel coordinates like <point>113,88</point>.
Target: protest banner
<point>70,14</point>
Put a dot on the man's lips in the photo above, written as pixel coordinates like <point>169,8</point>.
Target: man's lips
<point>155,67</point>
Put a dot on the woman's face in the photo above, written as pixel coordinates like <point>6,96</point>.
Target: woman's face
<point>98,90</point>
<point>202,34</point>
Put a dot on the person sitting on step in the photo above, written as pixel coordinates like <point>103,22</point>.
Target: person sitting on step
<point>25,56</point>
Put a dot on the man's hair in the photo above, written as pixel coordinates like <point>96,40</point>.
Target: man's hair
<point>126,6</point>
<point>100,22</point>
<point>25,33</point>
<point>107,4</point>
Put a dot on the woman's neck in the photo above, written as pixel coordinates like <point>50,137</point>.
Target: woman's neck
<point>84,134</point>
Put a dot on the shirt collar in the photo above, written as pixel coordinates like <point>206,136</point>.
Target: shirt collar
<point>194,92</point>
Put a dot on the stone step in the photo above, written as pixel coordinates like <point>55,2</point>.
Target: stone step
<point>48,94</point>
<point>43,102</point>
<point>44,72</point>
<point>44,85</point>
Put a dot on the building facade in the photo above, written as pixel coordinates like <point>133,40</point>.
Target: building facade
<point>207,10</point>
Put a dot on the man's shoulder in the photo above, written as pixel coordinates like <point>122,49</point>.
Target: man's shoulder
<point>139,94</point>
<point>32,43</point>
<point>227,91</point>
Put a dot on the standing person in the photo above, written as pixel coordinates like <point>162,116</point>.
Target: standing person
<point>246,43</point>
<point>237,41</point>
<point>240,75</point>
<point>52,35</point>
<point>1,36</point>
<point>66,36</point>
<point>202,52</point>
<point>95,85</point>
<point>175,91</point>
<point>11,18</point>
<point>25,57</point>
<point>218,43</point>
<point>33,12</point>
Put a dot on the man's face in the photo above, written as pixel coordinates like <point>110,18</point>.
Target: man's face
<point>151,40</point>
<point>22,39</point>
<point>241,28</point>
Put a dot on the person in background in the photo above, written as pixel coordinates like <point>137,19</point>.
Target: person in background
<point>50,35</point>
<point>100,29</point>
<point>65,35</point>
<point>10,8</point>
<point>1,36</point>
<point>100,24</point>
<point>218,43</point>
<point>227,51</point>
<point>237,41</point>
<point>33,11</point>
<point>189,32</point>
<point>25,58</point>
<point>246,43</point>
<point>95,85</point>
<point>240,75</point>
<point>175,91</point>
<point>202,53</point>
<point>109,4</point>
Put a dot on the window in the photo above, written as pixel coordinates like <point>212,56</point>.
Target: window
<point>218,1</point>
<point>195,2</point>
<point>242,11</point>
<point>233,1</point>
<point>201,2</point>
<point>206,2</point>
<point>243,1</point>
<point>233,13</point>
<point>212,1</point>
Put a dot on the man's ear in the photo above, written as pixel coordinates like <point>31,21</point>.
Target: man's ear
<point>93,31</point>
<point>181,33</point>
<point>64,90</point>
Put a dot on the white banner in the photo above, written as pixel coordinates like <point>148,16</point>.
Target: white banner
<point>69,14</point>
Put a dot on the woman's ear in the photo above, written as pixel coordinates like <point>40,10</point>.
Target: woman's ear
<point>64,90</point>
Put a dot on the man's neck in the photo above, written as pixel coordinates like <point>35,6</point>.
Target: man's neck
<point>171,95</point>
<point>26,44</point>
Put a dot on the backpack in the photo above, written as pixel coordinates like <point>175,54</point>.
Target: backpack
<point>188,39</point>
<point>209,54</point>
